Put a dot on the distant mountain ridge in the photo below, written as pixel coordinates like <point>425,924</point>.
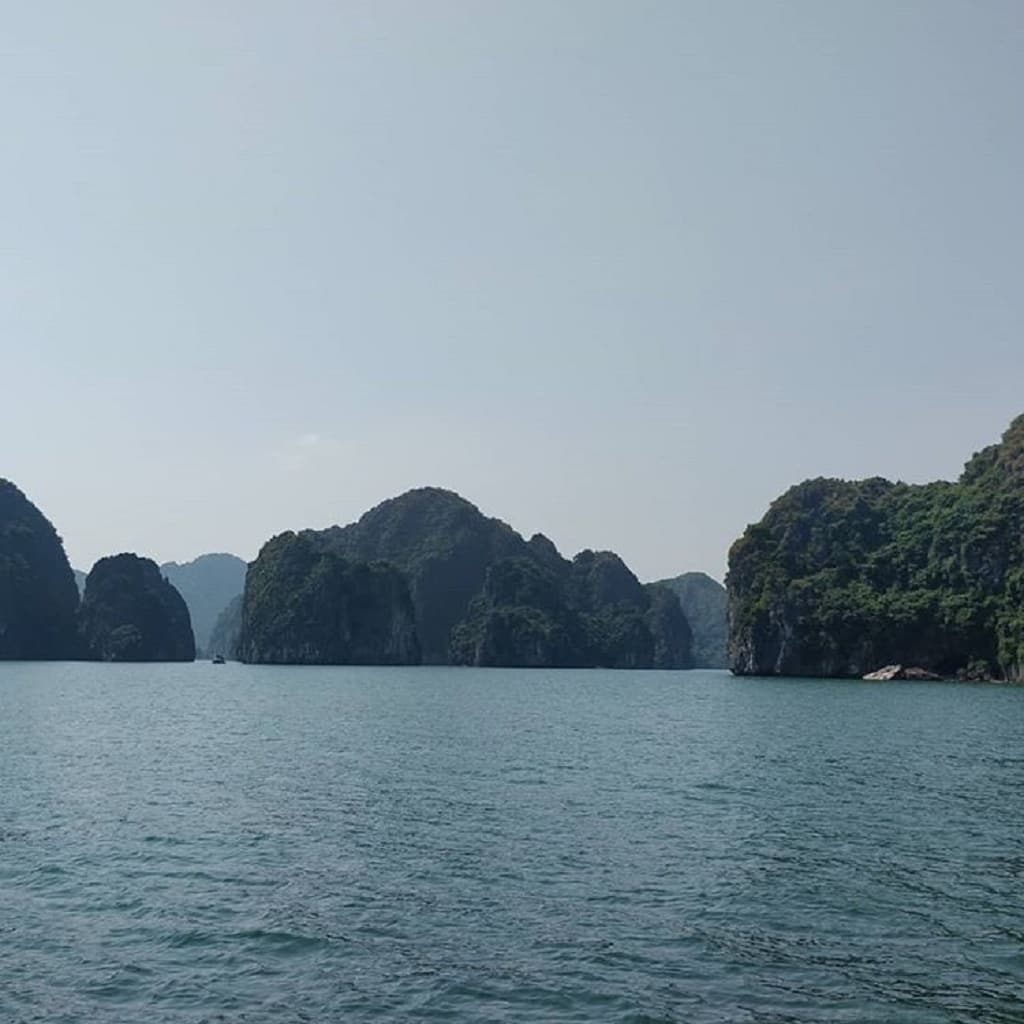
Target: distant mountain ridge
<point>226,631</point>
<point>208,584</point>
<point>705,603</point>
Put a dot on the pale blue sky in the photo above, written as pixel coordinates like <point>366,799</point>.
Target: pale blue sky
<point>619,272</point>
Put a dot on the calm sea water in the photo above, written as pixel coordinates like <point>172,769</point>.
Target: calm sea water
<point>199,843</point>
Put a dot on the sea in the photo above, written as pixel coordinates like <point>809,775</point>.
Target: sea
<point>198,843</point>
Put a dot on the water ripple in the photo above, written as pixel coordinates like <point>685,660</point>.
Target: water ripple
<point>184,845</point>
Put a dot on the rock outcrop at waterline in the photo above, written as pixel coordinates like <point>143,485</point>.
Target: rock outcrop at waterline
<point>841,577</point>
<point>38,595</point>
<point>888,673</point>
<point>130,612</point>
<point>304,605</point>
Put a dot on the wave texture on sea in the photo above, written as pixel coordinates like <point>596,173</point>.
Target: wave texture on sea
<point>190,843</point>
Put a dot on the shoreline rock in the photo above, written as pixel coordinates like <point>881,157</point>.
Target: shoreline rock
<point>912,673</point>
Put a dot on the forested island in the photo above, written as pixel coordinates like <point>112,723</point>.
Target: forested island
<point>427,577</point>
<point>843,577</point>
<point>128,611</point>
<point>421,578</point>
<point>840,578</point>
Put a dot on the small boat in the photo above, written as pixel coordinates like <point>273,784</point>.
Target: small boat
<point>218,659</point>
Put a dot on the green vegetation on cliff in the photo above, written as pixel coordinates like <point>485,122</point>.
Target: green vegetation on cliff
<point>520,620</point>
<point>442,544</point>
<point>38,595</point>
<point>304,605</point>
<point>627,624</point>
<point>842,577</point>
<point>480,593</point>
<point>591,612</point>
<point>130,612</point>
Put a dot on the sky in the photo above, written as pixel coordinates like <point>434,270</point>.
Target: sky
<point>616,272</point>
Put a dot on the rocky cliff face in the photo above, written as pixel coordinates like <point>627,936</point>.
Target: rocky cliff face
<point>131,613</point>
<point>670,629</point>
<point>520,620</point>
<point>627,624</point>
<point>842,577</point>
<point>441,543</point>
<point>38,595</point>
<point>706,608</point>
<point>304,605</point>
<point>482,595</point>
<point>591,612</point>
<point>227,631</point>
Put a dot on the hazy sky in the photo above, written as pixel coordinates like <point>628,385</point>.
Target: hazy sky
<point>620,272</point>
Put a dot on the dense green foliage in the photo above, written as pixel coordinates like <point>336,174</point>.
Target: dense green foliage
<point>841,577</point>
<point>207,583</point>
<point>520,619</point>
<point>130,612</point>
<point>627,625</point>
<point>442,544</point>
<point>306,605</point>
<point>705,606</point>
<point>591,612</point>
<point>38,596</point>
<point>480,593</point>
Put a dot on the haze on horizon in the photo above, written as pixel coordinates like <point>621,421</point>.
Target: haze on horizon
<point>617,272</point>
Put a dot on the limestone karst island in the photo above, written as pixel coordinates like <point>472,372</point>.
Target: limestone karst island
<point>840,578</point>
<point>421,578</point>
